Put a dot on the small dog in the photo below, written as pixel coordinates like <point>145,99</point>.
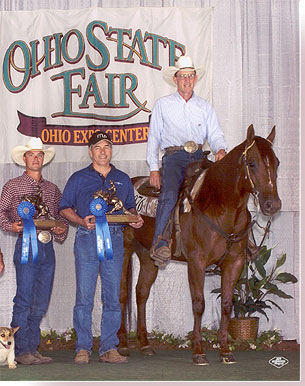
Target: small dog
<point>7,347</point>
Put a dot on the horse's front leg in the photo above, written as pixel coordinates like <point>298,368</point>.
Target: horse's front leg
<point>230,272</point>
<point>126,279</point>
<point>147,276</point>
<point>196,281</point>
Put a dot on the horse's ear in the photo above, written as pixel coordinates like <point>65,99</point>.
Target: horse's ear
<point>271,136</point>
<point>250,134</point>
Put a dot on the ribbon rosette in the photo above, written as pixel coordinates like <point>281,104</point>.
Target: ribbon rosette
<point>98,208</point>
<point>26,211</point>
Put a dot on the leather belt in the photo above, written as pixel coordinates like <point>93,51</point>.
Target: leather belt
<point>189,147</point>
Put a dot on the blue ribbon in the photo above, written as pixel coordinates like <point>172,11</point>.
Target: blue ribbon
<point>26,211</point>
<point>98,208</point>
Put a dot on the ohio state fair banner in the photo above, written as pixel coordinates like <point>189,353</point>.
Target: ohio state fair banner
<point>66,74</point>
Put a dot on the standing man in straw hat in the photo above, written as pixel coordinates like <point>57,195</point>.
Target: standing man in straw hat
<point>180,125</point>
<point>35,272</point>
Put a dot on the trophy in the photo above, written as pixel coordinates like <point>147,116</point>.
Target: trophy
<point>110,197</point>
<point>42,211</point>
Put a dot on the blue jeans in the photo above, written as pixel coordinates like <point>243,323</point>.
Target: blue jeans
<point>88,266</point>
<point>34,287</point>
<point>173,172</point>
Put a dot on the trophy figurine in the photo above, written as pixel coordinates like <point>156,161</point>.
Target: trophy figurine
<point>42,211</point>
<point>110,197</point>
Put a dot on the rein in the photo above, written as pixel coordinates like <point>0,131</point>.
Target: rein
<point>232,237</point>
<point>229,237</point>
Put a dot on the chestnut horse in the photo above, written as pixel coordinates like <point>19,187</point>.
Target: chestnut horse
<point>214,232</point>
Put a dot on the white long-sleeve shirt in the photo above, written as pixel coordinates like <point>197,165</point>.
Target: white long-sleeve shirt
<point>175,121</point>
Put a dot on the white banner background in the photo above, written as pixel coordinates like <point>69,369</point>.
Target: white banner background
<point>43,97</point>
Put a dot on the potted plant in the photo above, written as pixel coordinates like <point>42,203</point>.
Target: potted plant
<point>252,293</point>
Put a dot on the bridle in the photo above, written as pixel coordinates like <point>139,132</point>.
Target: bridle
<point>247,171</point>
<point>248,174</point>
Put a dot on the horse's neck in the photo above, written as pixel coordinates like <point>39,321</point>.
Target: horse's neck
<point>222,190</point>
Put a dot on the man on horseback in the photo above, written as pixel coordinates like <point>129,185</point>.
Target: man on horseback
<point>180,125</point>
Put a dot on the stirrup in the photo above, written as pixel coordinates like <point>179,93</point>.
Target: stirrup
<point>160,255</point>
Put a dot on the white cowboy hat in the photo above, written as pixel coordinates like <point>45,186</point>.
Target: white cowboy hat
<point>183,63</point>
<point>33,144</point>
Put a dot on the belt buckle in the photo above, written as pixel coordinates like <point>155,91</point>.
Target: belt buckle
<point>44,237</point>
<point>190,146</point>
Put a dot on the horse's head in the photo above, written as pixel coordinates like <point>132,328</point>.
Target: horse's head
<point>261,165</point>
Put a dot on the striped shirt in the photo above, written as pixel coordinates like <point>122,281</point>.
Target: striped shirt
<point>175,121</point>
<point>15,188</point>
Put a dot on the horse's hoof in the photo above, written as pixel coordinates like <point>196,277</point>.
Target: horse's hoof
<point>147,351</point>
<point>124,351</point>
<point>227,359</point>
<point>200,359</point>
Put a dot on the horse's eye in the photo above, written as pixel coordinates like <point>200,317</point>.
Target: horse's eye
<point>252,164</point>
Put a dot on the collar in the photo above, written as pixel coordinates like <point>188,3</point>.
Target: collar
<point>181,98</point>
<point>31,180</point>
<point>91,168</point>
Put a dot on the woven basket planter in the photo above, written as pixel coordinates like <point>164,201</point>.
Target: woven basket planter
<point>245,329</point>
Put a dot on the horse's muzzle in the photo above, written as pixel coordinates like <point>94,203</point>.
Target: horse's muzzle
<point>270,207</point>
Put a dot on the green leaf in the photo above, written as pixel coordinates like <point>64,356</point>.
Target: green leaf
<point>281,260</point>
<point>270,286</point>
<point>264,255</point>
<point>216,291</point>
<point>260,268</point>
<point>261,312</point>
<point>286,277</point>
<point>280,294</point>
<point>261,283</point>
<point>276,305</point>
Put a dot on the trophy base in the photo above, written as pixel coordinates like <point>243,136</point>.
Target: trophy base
<point>47,224</point>
<point>120,218</point>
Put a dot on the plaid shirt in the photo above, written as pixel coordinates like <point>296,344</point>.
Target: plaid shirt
<point>15,188</point>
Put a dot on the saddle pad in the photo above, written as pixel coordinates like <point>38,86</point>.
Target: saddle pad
<point>194,191</point>
<point>145,205</point>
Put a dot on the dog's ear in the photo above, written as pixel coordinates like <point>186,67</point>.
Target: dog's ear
<point>14,330</point>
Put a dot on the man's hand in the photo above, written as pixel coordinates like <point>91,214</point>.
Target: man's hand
<point>87,222</point>
<point>17,226</point>
<point>137,224</point>
<point>155,179</point>
<point>59,230</point>
<point>220,154</point>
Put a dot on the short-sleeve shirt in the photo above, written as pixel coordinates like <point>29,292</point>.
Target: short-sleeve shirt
<point>80,187</point>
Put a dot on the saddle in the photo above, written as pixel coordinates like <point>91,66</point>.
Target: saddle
<point>145,189</point>
<point>192,172</point>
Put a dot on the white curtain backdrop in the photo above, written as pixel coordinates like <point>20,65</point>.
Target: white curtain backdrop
<point>256,80</point>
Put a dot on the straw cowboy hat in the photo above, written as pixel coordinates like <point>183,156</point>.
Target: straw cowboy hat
<point>33,144</point>
<point>183,63</point>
